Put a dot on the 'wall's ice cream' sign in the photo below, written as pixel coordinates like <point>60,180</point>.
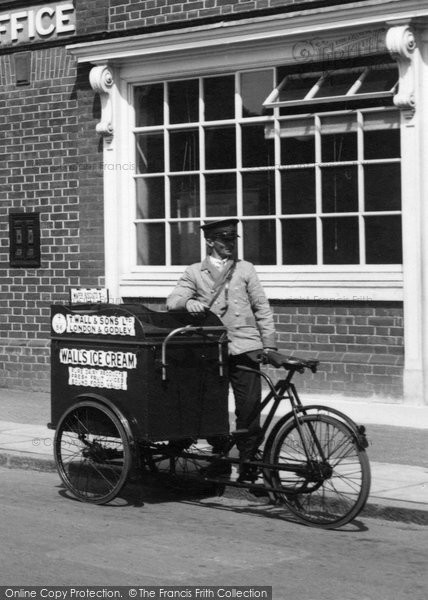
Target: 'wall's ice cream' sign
<point>98,358</point>
<point>37,23</point>
<point>86,376</point>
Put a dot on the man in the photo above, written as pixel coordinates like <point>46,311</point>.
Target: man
<point>231,289</point>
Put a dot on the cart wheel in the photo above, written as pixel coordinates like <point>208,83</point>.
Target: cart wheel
<point>92,452</point>
<point>329,487</point>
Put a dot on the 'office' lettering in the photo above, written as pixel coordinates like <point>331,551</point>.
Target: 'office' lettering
<point>37,23</point>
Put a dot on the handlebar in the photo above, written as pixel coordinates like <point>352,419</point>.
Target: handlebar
<point>290,363</point>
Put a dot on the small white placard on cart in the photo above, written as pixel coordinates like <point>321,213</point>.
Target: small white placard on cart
<point>88,296</point>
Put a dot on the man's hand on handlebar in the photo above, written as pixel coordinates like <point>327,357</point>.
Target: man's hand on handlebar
<point>195,307</point>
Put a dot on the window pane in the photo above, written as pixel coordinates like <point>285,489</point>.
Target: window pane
<point>388,119</point>
<point>337,84</point>
<point>382,186</point>
<point>382,144</point>
<point>340,241</point>
<point>150,149</point>
<point>150,198</point>
<point>219,98</point>
<point>257,151</point>
<point>185,243</point>
<point>298,191</point>
<point>379,79</point>
<point>150,244</point>
<point>184,196</point>
<point>297,150</point>
<point>258,193</point>
<point>383,240</point>
<point>255,87</point>
<point>149,105</point>
<point>183,97</point>
<point>260,242</point>
<point>220,195</point>
<point>339,147</point>
<point>299,242</point>
<point>339,189</point>
<point>296,87</point>
<point>220,148</point>
<point>184,150</point>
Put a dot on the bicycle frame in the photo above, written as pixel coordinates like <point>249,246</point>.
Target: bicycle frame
<point>283,389</point>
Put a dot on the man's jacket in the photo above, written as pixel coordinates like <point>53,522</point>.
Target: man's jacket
<point>241,305</point>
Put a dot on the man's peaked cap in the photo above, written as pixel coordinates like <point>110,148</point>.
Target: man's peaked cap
<point>225,228</point>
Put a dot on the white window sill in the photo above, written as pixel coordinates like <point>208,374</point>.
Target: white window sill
<point>332,283</point>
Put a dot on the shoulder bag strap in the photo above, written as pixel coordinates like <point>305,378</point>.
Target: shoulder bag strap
<point>224,283</point>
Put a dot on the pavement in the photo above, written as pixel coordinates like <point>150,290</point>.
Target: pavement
<point>398,449</point>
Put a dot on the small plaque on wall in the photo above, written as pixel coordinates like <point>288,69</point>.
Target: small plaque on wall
<point>24,238</point>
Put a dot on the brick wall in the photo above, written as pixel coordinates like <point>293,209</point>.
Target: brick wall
<point>42,127</point>
<point>126,14</point>
<point>91,17</point>
<point>359,346</point>
<point>91,174</point>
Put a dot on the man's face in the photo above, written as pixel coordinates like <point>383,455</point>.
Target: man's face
<point>222,247</point>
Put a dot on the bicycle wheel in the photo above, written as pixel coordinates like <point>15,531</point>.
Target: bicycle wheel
<point>326,476</point>
<point>92,452</point>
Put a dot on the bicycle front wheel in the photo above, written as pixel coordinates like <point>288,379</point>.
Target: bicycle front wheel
<point>318,470</point>
<point>92,452</point>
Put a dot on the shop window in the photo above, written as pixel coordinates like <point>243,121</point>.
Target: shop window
<point>298,191</point>
<point>309,163</point>
<point>219,98</point>
<point>150,244</point>
<point>184,192</point>
<point>340,241</point>
<point>258,193</point>
<point>183,101</point>
<point>220,195</point>
<point>299,241</point>
<point>259,238</point>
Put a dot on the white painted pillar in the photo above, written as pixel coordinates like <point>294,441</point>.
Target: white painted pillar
<point>404,44</point>
<point>422,108</point>
<point>103,82</point>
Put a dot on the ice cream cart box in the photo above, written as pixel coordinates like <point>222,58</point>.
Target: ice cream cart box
<point>169,388</point>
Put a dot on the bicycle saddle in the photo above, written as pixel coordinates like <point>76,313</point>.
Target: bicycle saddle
<point>277,360</point>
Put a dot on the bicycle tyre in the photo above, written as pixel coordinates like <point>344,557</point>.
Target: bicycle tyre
<point>324,494</point>
<point>92,452</point>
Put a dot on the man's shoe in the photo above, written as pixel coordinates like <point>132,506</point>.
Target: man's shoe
<point>248,474</point>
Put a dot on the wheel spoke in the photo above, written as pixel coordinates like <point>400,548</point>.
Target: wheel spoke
<point>92,452</point>
<point>331,481</point>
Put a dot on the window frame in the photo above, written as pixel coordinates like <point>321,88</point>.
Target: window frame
<point>346,282</point>
<point>163,56</point>
<point>312,97</point>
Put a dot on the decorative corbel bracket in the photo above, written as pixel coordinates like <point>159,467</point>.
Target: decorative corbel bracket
<point>401,43</point>
<point>101,80</point>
